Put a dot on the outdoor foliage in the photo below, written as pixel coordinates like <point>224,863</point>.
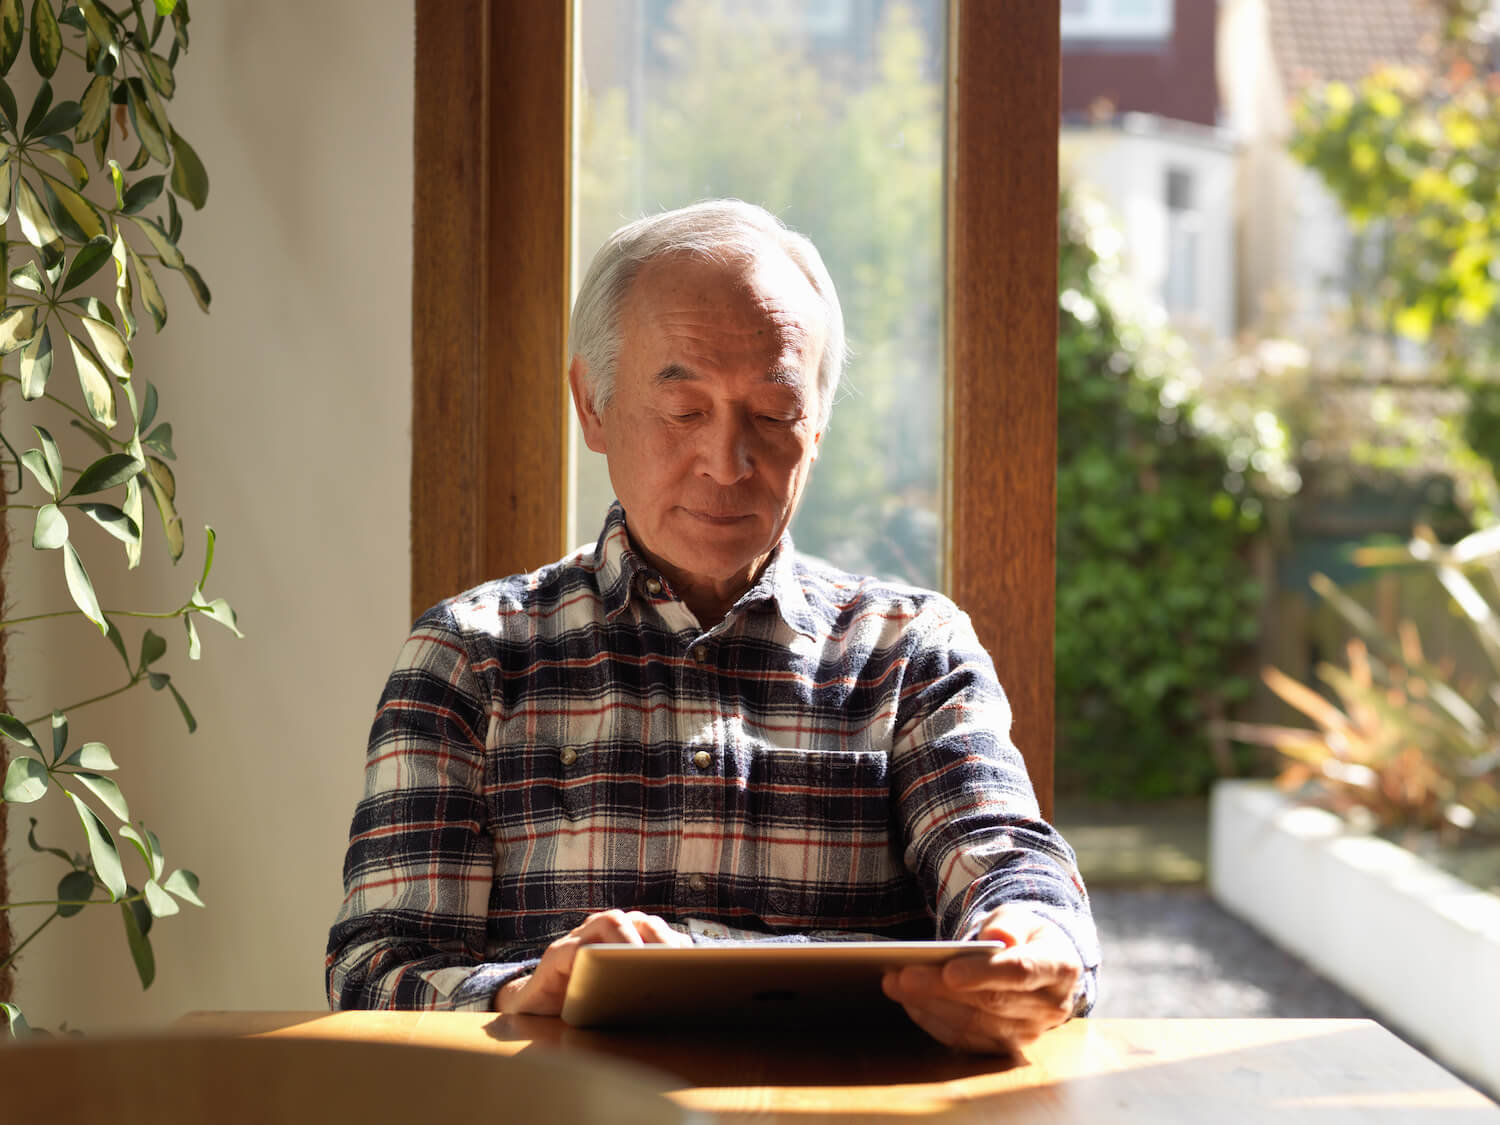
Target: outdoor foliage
<point>1407,741</point>
<point>93,458</point>
<point>1156,513</point>
<point>1410,154</point>
<point>846,148</point>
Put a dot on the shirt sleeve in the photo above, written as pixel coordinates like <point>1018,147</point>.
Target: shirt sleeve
<point>411,932</point>
<point>973,832</point>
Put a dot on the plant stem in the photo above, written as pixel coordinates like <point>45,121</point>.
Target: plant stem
<point>16,952</point>
<point>72,902</point>
<point>79,612</point>
<point>70,708</point>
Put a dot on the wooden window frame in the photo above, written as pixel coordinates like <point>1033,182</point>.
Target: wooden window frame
<point>492,229</point>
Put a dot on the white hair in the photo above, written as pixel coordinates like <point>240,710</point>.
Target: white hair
<point>717,230</point>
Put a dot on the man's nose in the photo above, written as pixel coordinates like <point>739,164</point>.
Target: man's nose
<point>725,455</point>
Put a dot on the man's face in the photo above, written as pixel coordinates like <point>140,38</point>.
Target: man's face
<point>713,425</point>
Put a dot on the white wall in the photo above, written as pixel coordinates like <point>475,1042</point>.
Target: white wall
<point>1127,168</point>
<point>291,406</point>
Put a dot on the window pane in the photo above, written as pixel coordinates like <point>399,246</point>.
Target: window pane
<point>830,115</point>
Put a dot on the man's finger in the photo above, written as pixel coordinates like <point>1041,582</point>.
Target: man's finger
<point>655,931</point>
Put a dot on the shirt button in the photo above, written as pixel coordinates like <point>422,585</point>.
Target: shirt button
<point>567,756</point>
<point>699,653</point>
<point>653,586</point>
<point>703,759</point>
<point>698,882</point>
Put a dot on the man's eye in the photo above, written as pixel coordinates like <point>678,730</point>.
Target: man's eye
<point>780,419</point>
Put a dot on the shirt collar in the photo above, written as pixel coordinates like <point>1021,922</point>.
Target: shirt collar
<point>622,573</point>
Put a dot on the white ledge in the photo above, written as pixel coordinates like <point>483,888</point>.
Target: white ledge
<point>1417,945</point>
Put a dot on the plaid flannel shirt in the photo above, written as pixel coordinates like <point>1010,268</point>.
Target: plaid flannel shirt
<point>831,758</point>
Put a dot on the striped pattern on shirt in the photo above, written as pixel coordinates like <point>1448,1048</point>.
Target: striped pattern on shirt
<point>833,756</point>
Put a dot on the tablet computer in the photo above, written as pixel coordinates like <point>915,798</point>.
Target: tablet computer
<point>743,982</point>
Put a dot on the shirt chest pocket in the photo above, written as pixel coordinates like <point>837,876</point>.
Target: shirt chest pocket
<point>817,798</point>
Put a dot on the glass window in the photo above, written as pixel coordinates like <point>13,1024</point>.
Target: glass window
<point>1116,19</point>
<point>829,114</point>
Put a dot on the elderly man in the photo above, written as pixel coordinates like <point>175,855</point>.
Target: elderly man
<point>689,732</point>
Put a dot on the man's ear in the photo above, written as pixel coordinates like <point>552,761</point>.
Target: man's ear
<point>583,402</point>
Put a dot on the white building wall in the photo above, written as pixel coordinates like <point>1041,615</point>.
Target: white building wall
<point>1127,167</point>
<point>291,404</point>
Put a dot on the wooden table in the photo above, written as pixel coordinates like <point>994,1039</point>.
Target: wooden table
<point>1094,1071</point>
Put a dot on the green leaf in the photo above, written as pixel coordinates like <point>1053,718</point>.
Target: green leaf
<point>198,286</point>
<point>81,588</point>
<point>39,107</point>
<point>218,610</point>
<point>111,347</point>
<point>147,128</point>
<point>140,944</point>
<point>158,901</point>
<point>183,884</point>
<point>189,177</point>
<point>160,440</point>
<point>50,452</point>
<point>102,849</point>
<point>17,731</point>
<point>108,793</point>
<point>98,391</point>
<point>36,463</point>
<point>7,187</point>
<point>14,1020</point>
<point>8,106</point>
<point>114,521</point>
<point>164,492</point>
<point>93,756</point>
<point>151,295</point>
<point>58,120</point>
<point>174,218</point>
<point>75,888</point>
<point>187,715</point>
<point>95,106</point>
<point>51,529</point>
<point>99,26</point>
<point>112,635</point>
<point>135,511</point>
<point>151,855</point>
<point>142,194</point>
<point>195,646</point>
<point>10,33</point>
<point>86,263</point>
<point>153,648</point>
<point>164,7</point>
<point>59,734</point>
<point>74,207</point>
<point>17,327</point>
<point>27,277</point>
<point>25,781</point>
<point>37,225</point>
<point>36,365</point>
<point>109,471</point>
<point>208,556</point>
<point>46,38</point>
<point>117,178</point>
<point>77,170</point>
<point>160,72</point>
<point>171,257</point>
<point>149,406</point>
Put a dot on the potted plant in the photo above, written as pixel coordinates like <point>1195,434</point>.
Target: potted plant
<point>1352,860</point>
<point>92,181</point>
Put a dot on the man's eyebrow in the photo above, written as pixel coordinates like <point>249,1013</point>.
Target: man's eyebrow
<point>789,377</point>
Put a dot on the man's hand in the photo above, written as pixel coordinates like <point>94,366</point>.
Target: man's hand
<point>542,992</point>
<point>1000,1001</point>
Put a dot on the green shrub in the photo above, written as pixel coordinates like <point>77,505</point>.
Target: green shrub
<point>1156,604</point>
